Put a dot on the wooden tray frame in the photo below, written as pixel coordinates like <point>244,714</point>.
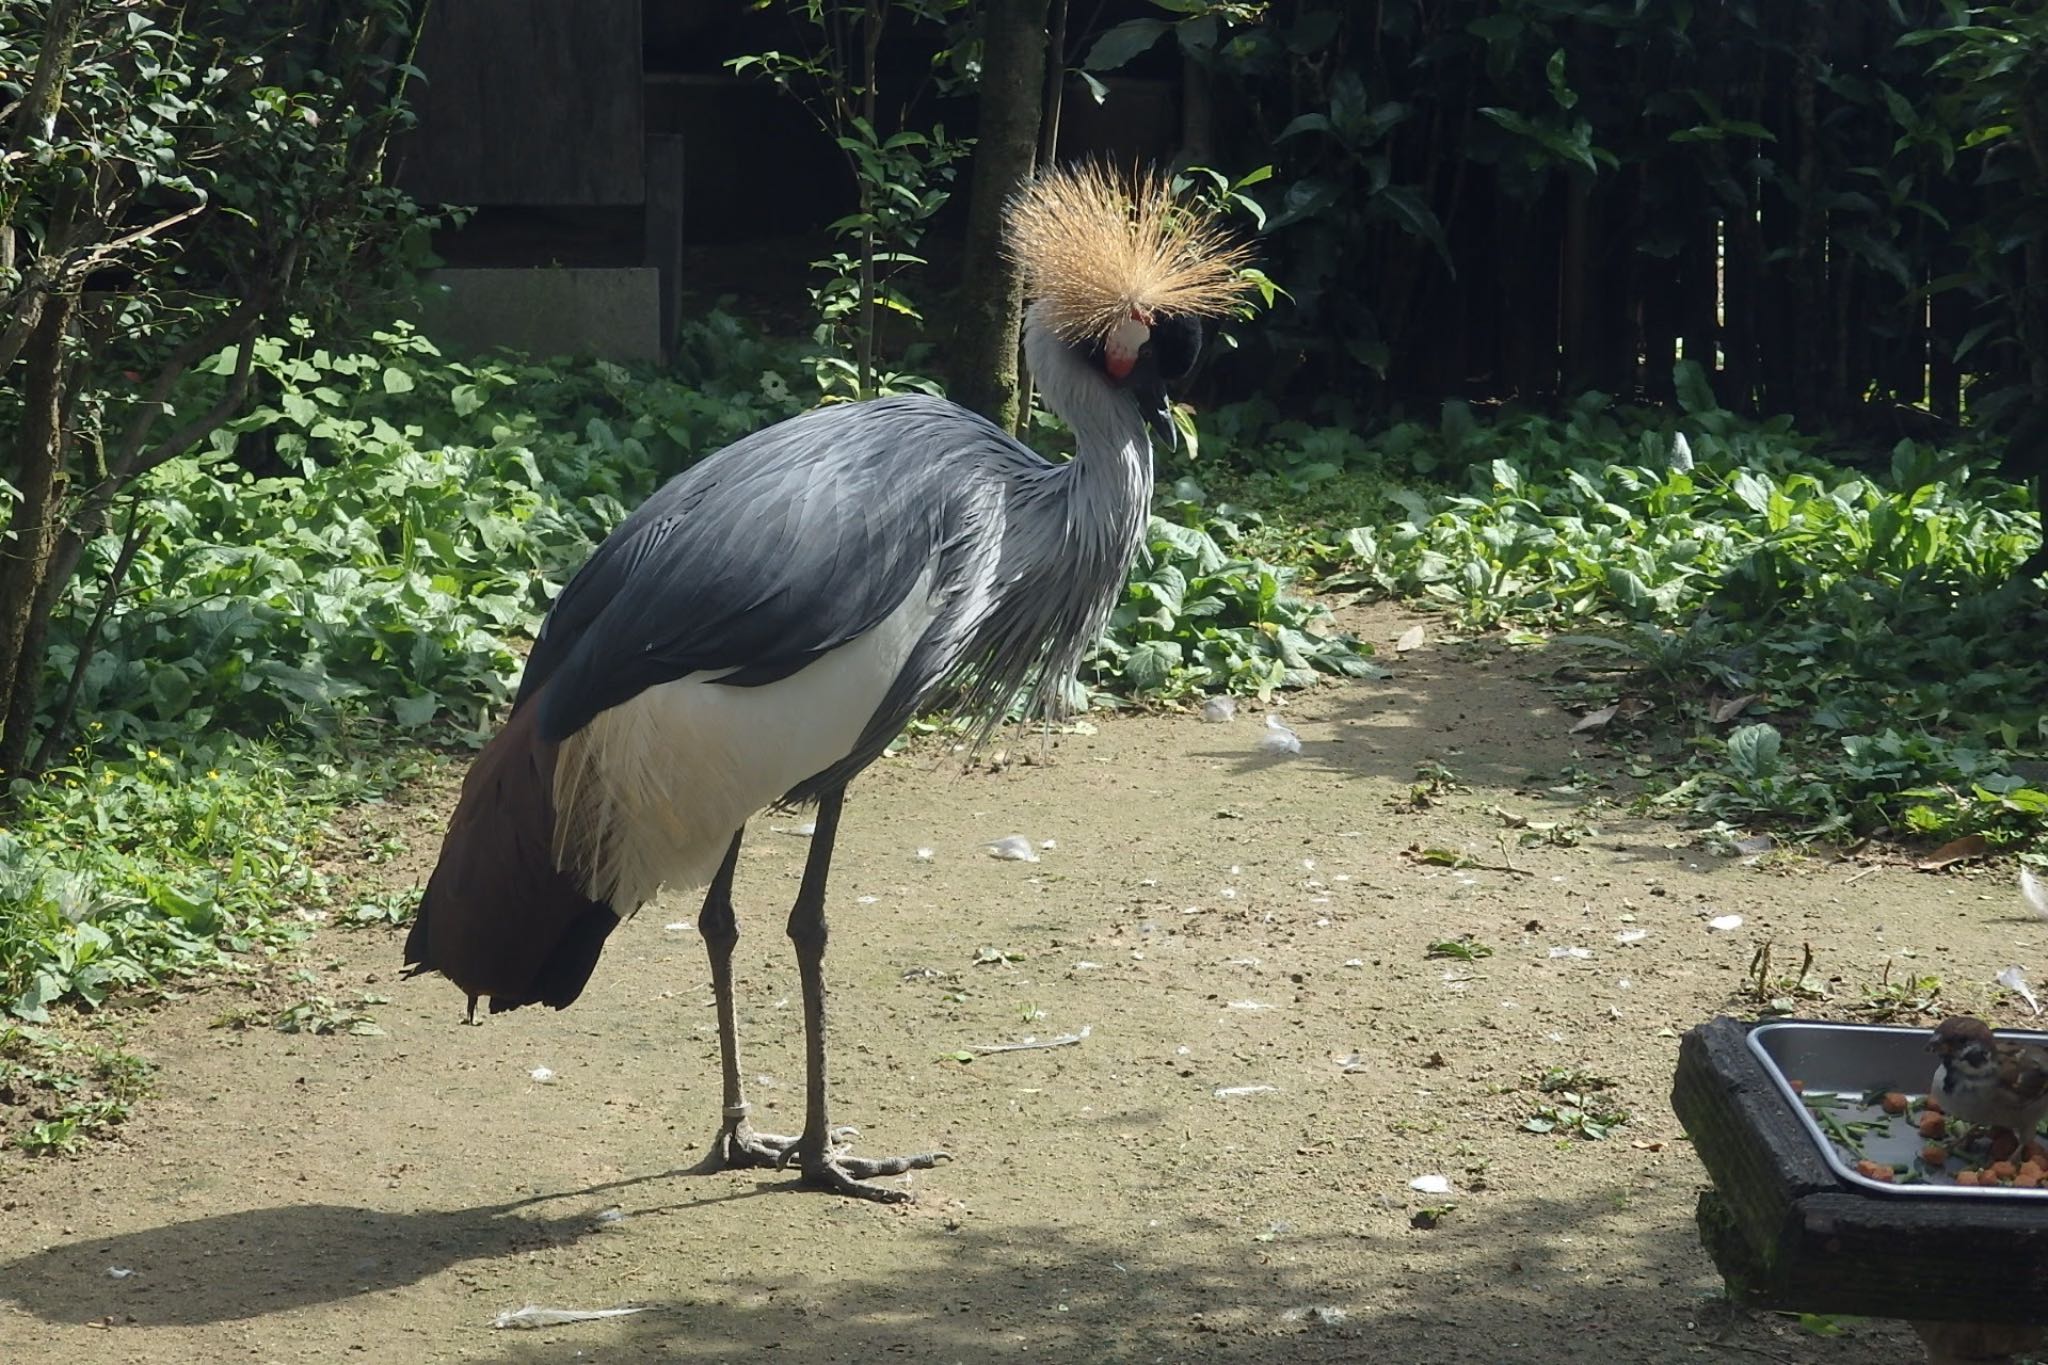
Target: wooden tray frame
<point>1787,1233</point>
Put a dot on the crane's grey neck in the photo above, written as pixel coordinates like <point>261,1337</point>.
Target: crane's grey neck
<point>1112,450</point>
<point>1074,529</point>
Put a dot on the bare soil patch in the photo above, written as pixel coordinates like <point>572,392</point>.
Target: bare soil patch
<point>1220,1171</point>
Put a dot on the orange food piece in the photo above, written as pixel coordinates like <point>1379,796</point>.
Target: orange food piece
<point>1874,1170</point>
<point>1966,1178</point>
<point>2003,1170</point>
<point>2036,1169</point>
<point>2029,1178</point>
<point>1933,1125</point>
<point>1934,1154</point>
<point>1894,1103</point>
<point>1799,1087</point>
<point>1931,1105</point>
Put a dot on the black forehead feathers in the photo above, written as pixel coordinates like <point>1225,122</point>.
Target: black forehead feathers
<point>1176,344</point>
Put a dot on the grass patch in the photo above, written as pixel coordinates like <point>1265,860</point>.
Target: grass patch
<point>163,865</point>
<point>55,1095</point>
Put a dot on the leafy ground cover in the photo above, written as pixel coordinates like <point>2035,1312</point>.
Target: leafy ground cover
<point>1769,637</point>
<point>345,574</point>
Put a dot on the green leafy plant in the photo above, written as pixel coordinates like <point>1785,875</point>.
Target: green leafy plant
<point>55,1094</point>
<point>177,179</point>
<point>902,178</point>
<point>1464,948</point>
<point>1577,1108</point>
<point>322,1015</point>
<point>1195,618</point>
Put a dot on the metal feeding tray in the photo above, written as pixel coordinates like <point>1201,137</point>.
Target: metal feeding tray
<point>1789,1223</point>
<point>1840,1068</point>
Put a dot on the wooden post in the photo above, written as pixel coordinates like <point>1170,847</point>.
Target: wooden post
<point>664,229</point>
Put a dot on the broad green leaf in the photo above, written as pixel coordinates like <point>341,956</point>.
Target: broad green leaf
<point>1150,666</point>
<point>414,712</point>
<point>1695,393</point>
<point>1120,44</point>
<point>1753,751</point>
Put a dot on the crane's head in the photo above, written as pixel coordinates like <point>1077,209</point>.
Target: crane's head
<point>1123,273</point>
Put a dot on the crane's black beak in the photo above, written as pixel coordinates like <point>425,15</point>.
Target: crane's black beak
<point>1153,404</point>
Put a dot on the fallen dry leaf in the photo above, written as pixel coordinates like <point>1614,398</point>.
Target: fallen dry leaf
<point>1593,720</point>
<point>1729,710</point>
<point>1411,638</point>
<point>1955,851</point>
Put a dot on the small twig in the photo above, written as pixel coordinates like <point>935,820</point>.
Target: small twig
<point>1859,876</point>
<point>1064,1040</point>
<point>89,262</point>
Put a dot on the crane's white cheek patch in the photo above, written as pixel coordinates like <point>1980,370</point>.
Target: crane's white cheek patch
<point>670,775</point>
<point>1120,349</point>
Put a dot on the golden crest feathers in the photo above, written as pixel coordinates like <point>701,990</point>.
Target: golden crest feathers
<point>1097,246</point>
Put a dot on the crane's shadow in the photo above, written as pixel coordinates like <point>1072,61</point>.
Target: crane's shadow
<point>1137,1294</point>
<point>233,1266</point>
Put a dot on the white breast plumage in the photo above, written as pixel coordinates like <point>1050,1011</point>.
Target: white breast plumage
<point>669,775</point>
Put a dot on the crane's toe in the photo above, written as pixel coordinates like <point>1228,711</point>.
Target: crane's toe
<point>848,1175</point>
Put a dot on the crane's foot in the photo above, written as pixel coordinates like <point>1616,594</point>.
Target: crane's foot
<point>831,1168</point>
<point>739,1147</point>
<point>837,1173</point>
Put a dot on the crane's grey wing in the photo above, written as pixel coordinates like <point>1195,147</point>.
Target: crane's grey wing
<point>752,564</point>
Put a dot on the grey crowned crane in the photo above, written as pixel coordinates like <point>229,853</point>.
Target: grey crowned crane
<point>761,628</point>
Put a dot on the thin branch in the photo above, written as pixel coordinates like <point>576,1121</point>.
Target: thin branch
<point>1055,84</point>
<point>232,327</point>
<point>202,426</point>
<point>84,265</point>
<point>60,724</point>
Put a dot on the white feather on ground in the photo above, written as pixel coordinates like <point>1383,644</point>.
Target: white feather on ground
<point>2033,893</point>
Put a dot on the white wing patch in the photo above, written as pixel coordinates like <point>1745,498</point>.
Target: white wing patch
<point>650,793</point>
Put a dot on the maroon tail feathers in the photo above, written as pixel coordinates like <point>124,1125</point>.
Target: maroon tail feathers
<point>499,919</point>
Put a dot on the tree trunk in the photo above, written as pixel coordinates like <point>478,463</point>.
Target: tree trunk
<point>991,295</point>
<point>26,559</point>
<point>1527,252</point>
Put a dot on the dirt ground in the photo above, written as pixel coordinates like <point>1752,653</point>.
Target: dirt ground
<point>1216,920</point>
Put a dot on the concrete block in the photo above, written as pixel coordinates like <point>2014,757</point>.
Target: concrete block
<point>612,313</point>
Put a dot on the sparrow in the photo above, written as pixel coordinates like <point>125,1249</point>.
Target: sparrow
<point>1988,1082</point>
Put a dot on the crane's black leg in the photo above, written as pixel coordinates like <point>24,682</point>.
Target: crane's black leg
<point>824,1165</point>
<point>737,1144</point>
